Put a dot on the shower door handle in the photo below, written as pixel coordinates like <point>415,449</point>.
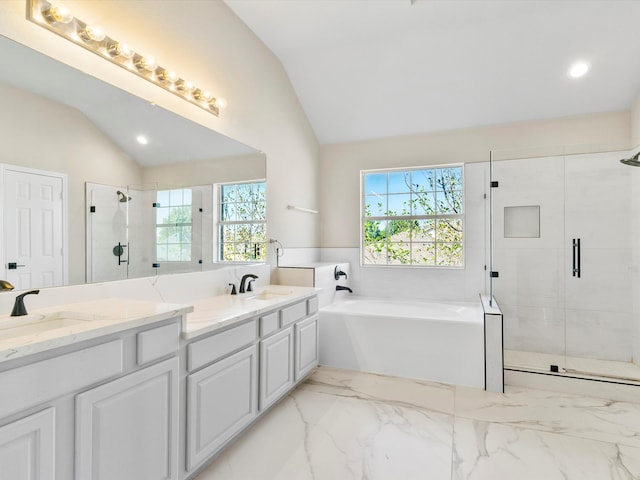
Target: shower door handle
<point>576,257</point>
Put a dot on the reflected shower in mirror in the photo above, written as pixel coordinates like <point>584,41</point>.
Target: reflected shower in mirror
<point>83,131</point>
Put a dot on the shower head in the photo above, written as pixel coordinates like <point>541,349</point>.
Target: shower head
<point>633,161</point>
<point>122,197</point>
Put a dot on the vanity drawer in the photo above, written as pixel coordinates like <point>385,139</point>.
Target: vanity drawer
<point>208,350</point>
<point>41,381</point>
<point>268,324</point>
<point>293,313</point>
<point>312,305</point>
<point>158,342</point>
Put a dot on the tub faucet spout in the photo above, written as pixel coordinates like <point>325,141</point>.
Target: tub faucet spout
<point>340,287</point>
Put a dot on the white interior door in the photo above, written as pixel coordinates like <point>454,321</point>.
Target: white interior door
<point>33,229</point>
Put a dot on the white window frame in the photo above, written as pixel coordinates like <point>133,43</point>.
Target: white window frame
<point>217,234</point>
<point>436,217</point>
<point>190,224</point>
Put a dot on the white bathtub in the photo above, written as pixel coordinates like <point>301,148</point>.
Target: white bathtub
<point>436,341</point>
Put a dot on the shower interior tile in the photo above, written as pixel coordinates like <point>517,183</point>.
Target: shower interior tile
<point>522,221</point>
<point>530,182</point>
<point>599,334</point>
<point>598,200</point>
<point>605,281</point>
<point>539,329</point>
<point>522,359</point>
<point>529,277</point>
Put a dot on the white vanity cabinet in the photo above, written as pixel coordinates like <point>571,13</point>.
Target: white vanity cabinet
<point>27,448</point>
<point>127,429</point>
<point>306,346</point>
<point>291,353</point>
<point>95,409</point>
<point>222,397</point>
<point>234,374</point>
<point>276,366</point>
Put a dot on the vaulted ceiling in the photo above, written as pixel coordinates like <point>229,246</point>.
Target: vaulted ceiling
<point>367,69</point>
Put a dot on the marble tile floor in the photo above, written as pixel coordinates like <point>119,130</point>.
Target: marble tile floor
<point>343,425</point>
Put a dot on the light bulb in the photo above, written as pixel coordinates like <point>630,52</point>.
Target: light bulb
<point>57,13</point>
<point>117,49</point>
<point>91,34</point>
<point>145,63</point>
<point>184,85</point>
<point>166,76</point>
<point>199,94</point>
<point>220,103</point>
<point>142,140</point>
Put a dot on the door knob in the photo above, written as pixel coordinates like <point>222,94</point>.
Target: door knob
<point>14,265</point>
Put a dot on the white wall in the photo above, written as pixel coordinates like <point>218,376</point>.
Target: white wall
<point>454,284</point>
<point>635,186</point>
<point>635,245</point>
<point>206,42</point>
<point>340,167</point>
<point>36,135</point>
<point>207,172</point>
<point>635,122</point>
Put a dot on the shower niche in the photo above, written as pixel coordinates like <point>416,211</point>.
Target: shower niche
<point>136,232</point>
<point>564,247</point>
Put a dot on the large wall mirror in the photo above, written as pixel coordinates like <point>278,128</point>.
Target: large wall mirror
<point>99,185</point>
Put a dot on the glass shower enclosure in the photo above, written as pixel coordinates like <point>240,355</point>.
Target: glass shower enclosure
<point>564,264</point>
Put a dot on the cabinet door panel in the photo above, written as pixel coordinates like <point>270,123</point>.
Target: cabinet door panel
<point>27,448</point>
<point>306,346</point>
<point>127,429</point>
<point>276,366</point>
<point>222,399</point>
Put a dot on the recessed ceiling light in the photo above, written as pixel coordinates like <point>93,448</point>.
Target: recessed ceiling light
<point>578,70</point>
<point>142,140</point>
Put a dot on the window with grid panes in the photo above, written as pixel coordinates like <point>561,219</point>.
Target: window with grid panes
<point>174,224</point>
<point>242,222</point>
<point>413,217</point>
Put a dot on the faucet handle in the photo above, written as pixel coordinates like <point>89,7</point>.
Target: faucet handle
<point>233,289</point>
<point>250,285</point>
<point>337,273</point>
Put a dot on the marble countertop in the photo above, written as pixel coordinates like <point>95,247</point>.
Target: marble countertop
<point>47,328</point>
<point>217,312</point>
<point>52,327</point>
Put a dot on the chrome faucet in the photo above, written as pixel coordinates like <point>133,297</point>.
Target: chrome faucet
<point>18,307</point>
<point>247,287</point>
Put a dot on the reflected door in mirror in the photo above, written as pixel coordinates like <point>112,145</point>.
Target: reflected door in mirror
<point>34,228</point>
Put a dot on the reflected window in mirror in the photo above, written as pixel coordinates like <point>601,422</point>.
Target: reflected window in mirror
<point>242,222</point>
<point>174,224</point>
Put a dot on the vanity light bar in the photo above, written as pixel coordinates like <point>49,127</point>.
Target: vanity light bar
<point>58,19</point>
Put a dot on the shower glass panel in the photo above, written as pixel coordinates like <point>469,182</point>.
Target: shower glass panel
<point>562,232</point>
<point>106,233</point>
<point>165,230</point>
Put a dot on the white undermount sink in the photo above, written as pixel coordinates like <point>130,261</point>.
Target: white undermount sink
<point>11,327</point>
<point>270,295</point>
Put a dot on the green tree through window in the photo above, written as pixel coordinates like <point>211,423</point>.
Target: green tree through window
<point>174,224</point>
<point>242,222</point>
<point>413,217</point>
